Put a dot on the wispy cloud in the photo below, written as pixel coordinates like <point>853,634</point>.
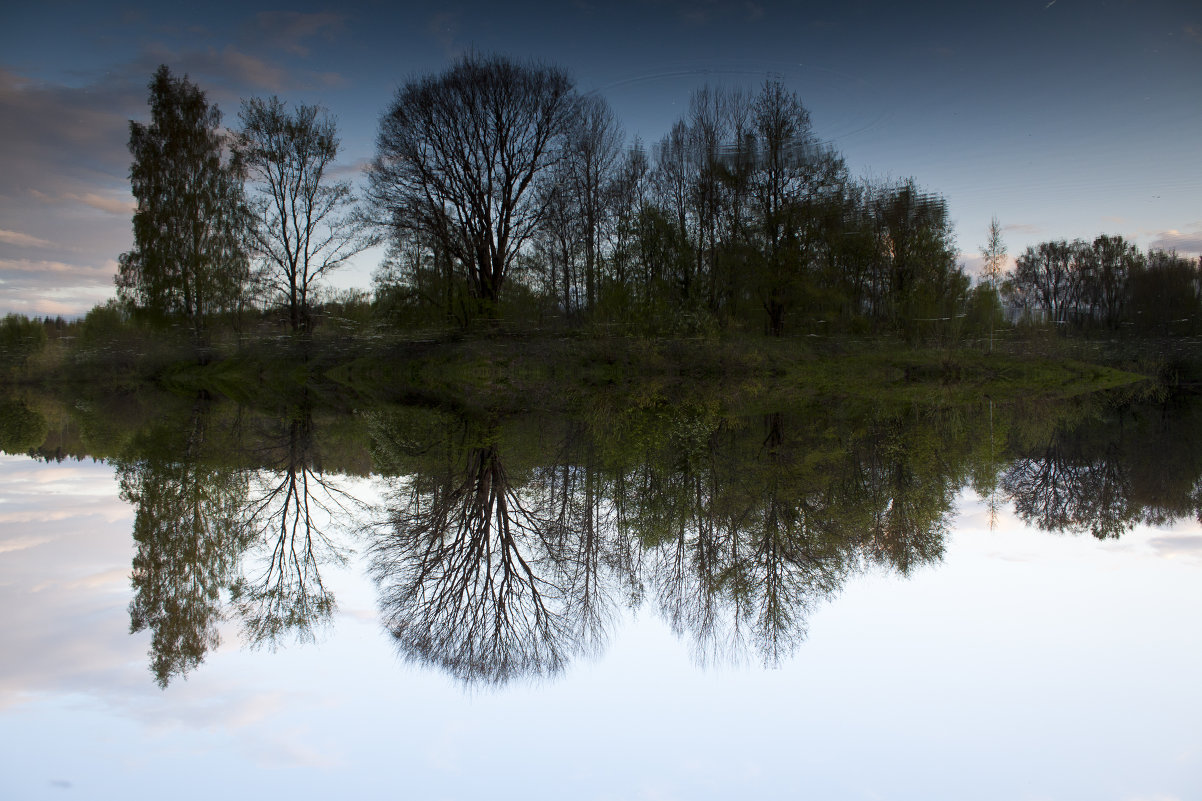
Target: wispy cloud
<point>23,240</point>
<point>443,28</point>
<point>236,72</point>
<point>120,203</point>
<point>1023,228</point>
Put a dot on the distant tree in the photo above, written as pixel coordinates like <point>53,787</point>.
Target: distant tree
<point>793,181</point>
<point>459,156</point>
<point>921,278</point>
<point>304,225</point>
<point>1110,262</point>
<point>1049,274</point>
<point>994,254</point>
<point>188,258</point>
<point>1164,293</point>
<point>20,339</point>
<point>593,145</point>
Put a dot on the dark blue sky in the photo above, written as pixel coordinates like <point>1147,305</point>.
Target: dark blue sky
<point>1065,119</point>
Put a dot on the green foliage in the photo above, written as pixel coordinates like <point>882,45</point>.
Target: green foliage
<point>188,259</point>
<point>20,339</point>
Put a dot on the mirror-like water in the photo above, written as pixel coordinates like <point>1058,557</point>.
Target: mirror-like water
<point>649,601</point>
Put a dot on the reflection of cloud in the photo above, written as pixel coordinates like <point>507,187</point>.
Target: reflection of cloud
<point>1178,546</point>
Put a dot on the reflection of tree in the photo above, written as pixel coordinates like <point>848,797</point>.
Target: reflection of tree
<point>188,542</point>
<point>1061,491</point>
<point>471,576</point>
<point>288,507</point>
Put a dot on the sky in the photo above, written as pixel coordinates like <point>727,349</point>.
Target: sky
<point>1063,119</point>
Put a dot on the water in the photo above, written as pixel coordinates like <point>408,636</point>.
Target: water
<point>924,640</point>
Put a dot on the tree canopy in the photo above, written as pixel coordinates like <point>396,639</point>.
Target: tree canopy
<point>458,157</point>
<point>188,258</point>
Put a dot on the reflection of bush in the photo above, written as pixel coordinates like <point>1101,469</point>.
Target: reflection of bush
<point>21,428</point>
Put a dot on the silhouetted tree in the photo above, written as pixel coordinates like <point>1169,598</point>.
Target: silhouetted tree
<point>1110,262</point>
<point>188,257</point>
<point>304,225</point>
<point>458,158</point>
<point>1164,293</point>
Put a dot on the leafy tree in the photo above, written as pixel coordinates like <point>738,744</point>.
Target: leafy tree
<point>1111,261</point>
<point>188,258</point>
<point>304,223</point>
<point>459,156</point>
<point>1050,274</point>
<point>20,339</point>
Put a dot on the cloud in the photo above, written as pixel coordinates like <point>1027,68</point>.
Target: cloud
<point>1180,241</point>
<point>23,240</point>
<point>1023,228</point>
<point>50,288</point>
<point>1193,32</point>
<point>290,31</point>
<point>444,29</point>
<point>120,203</point>
<point>232,73</point>
<point>56,267</point>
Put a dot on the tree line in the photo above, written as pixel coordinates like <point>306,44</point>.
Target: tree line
<point>501,191</point>
<point>496,182</point>
<point>1107,283</point>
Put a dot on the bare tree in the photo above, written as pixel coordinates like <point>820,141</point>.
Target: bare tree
<point>459,155</point>
<point>305,224</point>
<point>593,146</point>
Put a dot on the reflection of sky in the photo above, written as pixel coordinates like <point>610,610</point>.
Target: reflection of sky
<point>1065,119</point>
<point>1028,665</point>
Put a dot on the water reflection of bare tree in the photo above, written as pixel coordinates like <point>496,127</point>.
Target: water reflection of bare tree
<point>1062,491</point>
<point>472,576</point>
<point>287,518</point>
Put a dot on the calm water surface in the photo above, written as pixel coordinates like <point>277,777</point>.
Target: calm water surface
<point>676,603</point>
